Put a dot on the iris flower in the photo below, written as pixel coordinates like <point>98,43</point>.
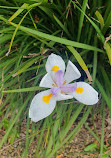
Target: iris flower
<point>61,88</point>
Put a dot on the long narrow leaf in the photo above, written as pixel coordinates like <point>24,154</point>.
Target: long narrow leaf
<point>24,6</point>
<point>93,24</point>
<point>81,19</point>
<point>108,51</point>
<point>24,90</point>
<point>54,38</point>
<point>100,19</point>
<point>80,61</point>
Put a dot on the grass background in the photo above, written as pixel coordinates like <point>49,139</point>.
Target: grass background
<point>30,30</point>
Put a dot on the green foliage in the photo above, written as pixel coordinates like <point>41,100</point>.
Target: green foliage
<point>29,31</point>
<point>5,124</point>
<point>90,147</point>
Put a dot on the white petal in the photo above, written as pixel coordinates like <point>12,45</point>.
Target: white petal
<point>72,73</point>
<point>89,96</point>
<point>39,109</point>
<point>54,60</point>
<point>60,97</point>
<point>47,81</point>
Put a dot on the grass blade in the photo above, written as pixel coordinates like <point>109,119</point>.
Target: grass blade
<point>81,19</point>
<point>24,6</point>
<point>54,38</point>
<point>80,61</point>
<point>100,19</point>
<point>108,51</point>
<point>93,24</point>
<point>24,90</point>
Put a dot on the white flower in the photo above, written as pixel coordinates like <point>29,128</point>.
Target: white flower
<point>44,102</point>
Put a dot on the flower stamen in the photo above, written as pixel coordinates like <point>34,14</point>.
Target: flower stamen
<point>64,82</point>
<point>62,92</point>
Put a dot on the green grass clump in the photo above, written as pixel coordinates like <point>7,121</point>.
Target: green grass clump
<point>29,31</point>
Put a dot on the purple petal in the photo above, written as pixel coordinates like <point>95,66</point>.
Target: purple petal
<point>55,90</point>
<point>68,88</point>
<point>59,78</point>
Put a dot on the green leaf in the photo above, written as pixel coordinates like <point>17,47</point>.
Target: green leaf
<point>78,57</point>
<point>102,130</point>
<point>80,61</point>
<point>91,147</point>
<point>81,19</point>
<point>105,156</point>
<point>107,23</point>
<point>62,26</point>
<point>93,24</point>
<point>24,6</point>
<point>13,122</point>
<point>104,95</point>
<point>24,90</point>
<point>5,123</point>
<point>72,134</point>
<point>100,19</point>
<point>58,39</point>
<point>54,38</point>
<point>108,51</point>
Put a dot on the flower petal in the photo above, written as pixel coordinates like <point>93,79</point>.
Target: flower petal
<point>60,97</point>
<point>40,109</point>
<point>85,94</point>
<point>69,88</point>
<point>55,91</point>
<point>54,63</point>
<point>72,73</point>
<point>58,78</point>
<point>47,81</point>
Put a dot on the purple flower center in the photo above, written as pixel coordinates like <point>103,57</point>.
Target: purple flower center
<point>61,85</point>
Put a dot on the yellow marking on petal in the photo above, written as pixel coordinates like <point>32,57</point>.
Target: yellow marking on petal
<point>79,90</point>
<point>55,68</point>
<point>47,98</point>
